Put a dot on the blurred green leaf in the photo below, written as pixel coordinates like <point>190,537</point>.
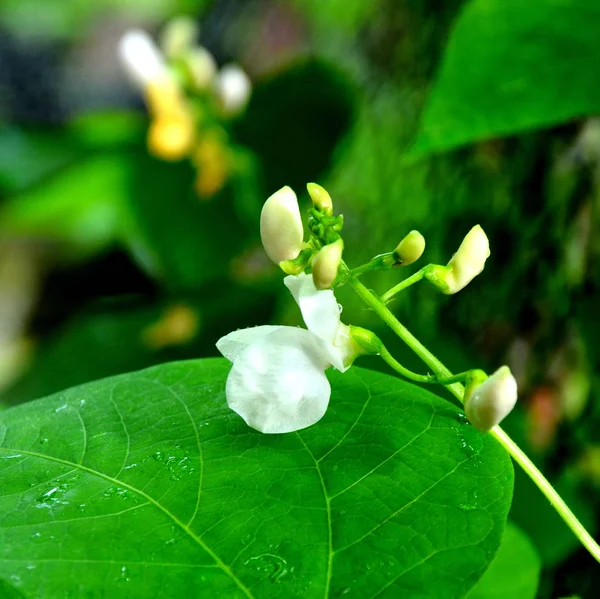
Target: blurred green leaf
<point>538,519</point>
<point>515,571</point>
<point>191,240</point>
<point>82,206</point>
<point>344,15</point>
<point>26,156</point>
<point>512,66</point>
<point>105,130</point>
<point>148,481</point>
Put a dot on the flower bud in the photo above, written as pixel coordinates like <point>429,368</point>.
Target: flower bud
<point>142,59</point>
<point>233,89</point>
<point>326,263</point>
<point>178,36</point>
<point>469,260</point>
<point>410,249</point>
<point>464,266</point>
<point>487,404</point>
<point>320,198</point>
<point>281,226</point>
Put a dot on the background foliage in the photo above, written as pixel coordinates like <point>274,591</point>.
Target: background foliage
<point>414,114</point>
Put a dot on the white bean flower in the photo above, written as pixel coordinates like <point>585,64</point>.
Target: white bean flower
<point>277,383</point>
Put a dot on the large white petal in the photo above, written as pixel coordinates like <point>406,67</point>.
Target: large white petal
<point>319,307</point>
<point>278,384</point>
<point>142,58</point>
<point>237,341</point>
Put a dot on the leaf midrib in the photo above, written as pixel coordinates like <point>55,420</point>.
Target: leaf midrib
<point>219,562</point>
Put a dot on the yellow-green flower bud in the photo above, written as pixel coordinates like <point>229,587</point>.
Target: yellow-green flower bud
<point>487,404</point>
<point>464,266</point>
<point>326,263</point>
<point>178,36</point>
<point>281,226</point>
<point>320,198</point>
<point>410,249</point>
<point>201,67</point>
<point>469,260</point>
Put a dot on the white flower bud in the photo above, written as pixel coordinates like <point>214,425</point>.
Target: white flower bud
<point>233,89</point>
<point>411,248</point>
<point>326,263</point>
<point>281,226</point>
<point>320,198</point>
<point>489,403</point>
<point>468,261</point>
<point>142,59</point>
<point>178,36</point>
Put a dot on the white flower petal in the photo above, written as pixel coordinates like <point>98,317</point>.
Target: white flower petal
<point>278,384</point>
<point>319,307</point>
<point>142,59</point>
<point>237,341</point>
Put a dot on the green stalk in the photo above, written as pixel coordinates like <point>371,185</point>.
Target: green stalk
<point>517,454</point>
<point>388,295</point>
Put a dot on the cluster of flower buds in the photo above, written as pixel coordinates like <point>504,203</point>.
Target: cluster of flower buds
<point>167,76</point>
<point>282,234</point>
<point>266,359</point>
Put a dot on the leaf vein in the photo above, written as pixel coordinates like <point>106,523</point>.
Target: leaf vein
<point>328,512</point>
<point>219,562</point>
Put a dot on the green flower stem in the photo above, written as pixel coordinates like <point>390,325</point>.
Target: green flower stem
<point>388,295</point>
<point>381,262</point>
<point>420,378</point>
<point>405,372</point>
<point>458,391</point>
<point>544,485</point>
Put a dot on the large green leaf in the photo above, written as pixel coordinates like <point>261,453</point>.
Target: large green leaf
<point>147,485</point>
<point>515,572</point>
<point>512,66</point>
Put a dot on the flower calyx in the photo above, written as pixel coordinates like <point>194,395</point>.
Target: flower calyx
<point>322,224</point>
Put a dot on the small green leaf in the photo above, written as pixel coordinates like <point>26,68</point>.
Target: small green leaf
<point>512,66</point>
<point>515,572</point>
<point>147,485</point>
